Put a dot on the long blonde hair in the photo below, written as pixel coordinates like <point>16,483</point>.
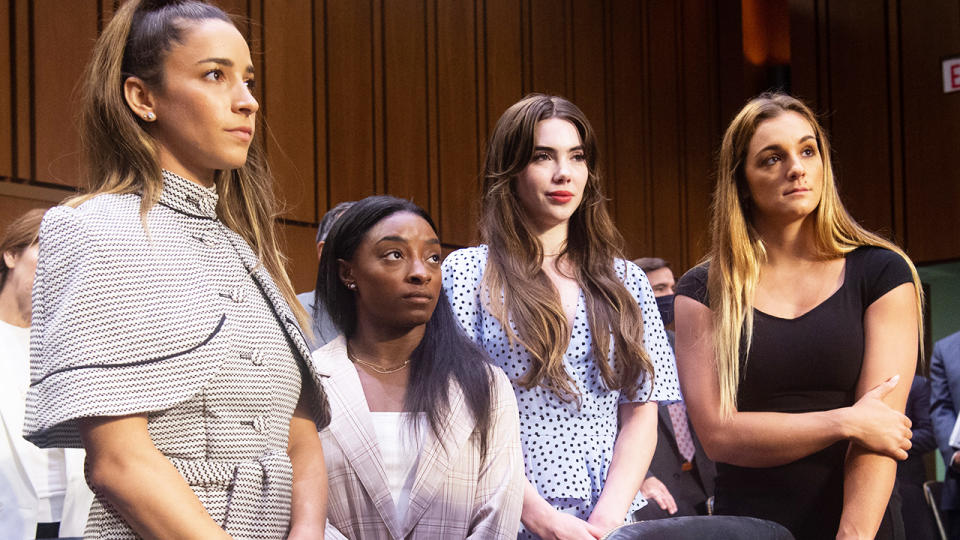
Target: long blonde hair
<point>514,269</point>
<point>120,156</point>
<point>737,251</point>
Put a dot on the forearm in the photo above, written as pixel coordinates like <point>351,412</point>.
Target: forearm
<point>121,463</point>
<point>768,439</point>
<point>868,482</point>
<point>536,510</point>
<point>632,453</point>
<point>308,505</point>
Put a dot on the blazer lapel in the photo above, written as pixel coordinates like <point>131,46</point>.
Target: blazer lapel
<point>352,426</point>
<point>434,464</point>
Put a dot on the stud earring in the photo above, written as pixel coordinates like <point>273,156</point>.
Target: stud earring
<point>352,286</point>
<point>149,116</point>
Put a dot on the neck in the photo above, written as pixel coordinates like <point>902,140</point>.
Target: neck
<point>11,312</point>
<point>385,347</point>
<point>203,177</point>
<point>789,242</point>
<point>553,240</point>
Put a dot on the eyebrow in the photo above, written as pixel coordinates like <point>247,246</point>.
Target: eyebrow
<point>551,149</point>
<point>226,62</point>
<point>394,238</point>
<point>803,139</point>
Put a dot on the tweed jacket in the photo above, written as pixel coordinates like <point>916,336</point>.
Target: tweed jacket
<point>180,321</point>
<point>455,493</point>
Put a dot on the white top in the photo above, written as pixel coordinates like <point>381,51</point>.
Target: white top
<point>46,468</point>
<point>400,444</point>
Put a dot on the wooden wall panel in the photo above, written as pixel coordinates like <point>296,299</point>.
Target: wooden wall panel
<point>503,59</point>
<point>23,75</point>
<point>406,130</point>
<point>858,122</point>
<point>459,148</point>
<point>627,94</point>
<point>6,93</point>
<point>288,104</point>
<point>56,34</point>
<point>548,30</point>
<point>351,141</point>
<point>931,131</point>
<point>588,70</point>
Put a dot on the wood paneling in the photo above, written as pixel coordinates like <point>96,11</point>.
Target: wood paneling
<point>872,69</point>
<point>6,93</point>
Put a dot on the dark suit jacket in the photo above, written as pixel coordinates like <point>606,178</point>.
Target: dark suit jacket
<point>689,490</point>
<point>912,469</point>
<point>944,404</point>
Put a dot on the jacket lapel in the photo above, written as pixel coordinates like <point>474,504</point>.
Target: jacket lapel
<point>352,426</point>
<point>433,467</point>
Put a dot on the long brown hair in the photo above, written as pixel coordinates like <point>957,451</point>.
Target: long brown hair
<point>737,251</point>
<point>120,156</point>
<point>593,244</point>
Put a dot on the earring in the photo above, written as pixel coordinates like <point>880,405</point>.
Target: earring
<point>149,116</point>
<point>352,286</point>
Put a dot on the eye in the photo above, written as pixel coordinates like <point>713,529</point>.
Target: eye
<point>579,157</point>
<point>250,84</point>
<point>809,151</point>
<point>393,255</point>
<point>435,258</point>
<point>214,75</point>
<point>540,156</point>
<point>770,160</point>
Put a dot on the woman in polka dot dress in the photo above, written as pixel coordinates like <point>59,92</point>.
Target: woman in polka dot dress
<point>548,274</point>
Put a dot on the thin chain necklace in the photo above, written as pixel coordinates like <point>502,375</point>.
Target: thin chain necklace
<point>375,367</point>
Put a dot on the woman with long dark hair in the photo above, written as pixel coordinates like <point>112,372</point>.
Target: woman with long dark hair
<point>166,338</point>
<point>575,327</point>
<point>423,441</point>
<point>798,338</point>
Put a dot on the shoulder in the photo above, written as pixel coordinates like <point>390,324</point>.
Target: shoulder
<point>466,258</point>
<point>876,271</point>
<point>693,284</point>
<point>102,216</point>
<point>950,342</point>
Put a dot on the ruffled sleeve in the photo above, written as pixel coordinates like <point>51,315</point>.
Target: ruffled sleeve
<point>665,385</point>
<point>123,322</point>
<point>462,276</point>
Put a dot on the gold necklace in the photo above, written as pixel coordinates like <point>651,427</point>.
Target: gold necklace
<point>375,367</point>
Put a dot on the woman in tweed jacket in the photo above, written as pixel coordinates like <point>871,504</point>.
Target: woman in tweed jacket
<point>164,341</point>
<point>424,440</point>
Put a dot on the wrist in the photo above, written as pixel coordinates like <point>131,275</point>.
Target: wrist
<point>536,518</point>
<point>842,421</point>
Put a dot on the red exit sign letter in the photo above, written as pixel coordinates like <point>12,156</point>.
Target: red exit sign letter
<point>951,75</point>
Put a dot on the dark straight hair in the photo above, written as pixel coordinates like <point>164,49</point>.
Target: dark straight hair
<point>444,354</point>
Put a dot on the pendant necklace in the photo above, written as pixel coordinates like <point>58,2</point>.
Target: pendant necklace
<point>375,367</point>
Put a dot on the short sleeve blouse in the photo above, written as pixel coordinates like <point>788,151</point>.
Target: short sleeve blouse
<point>567,451</point>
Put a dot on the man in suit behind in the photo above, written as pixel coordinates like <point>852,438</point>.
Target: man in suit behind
<point>944,404</point>
<point>680,478</point>
<point>322,327</point>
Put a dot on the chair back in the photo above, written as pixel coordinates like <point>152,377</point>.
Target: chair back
<point>700,527</point>
<point>932,490</point>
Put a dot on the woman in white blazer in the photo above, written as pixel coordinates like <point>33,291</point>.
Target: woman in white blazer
<point>424,437</point>
<point>166,337</point>
<point>37,486</point>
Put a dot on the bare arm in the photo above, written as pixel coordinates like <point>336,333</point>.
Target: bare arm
<point>308,507</point>
<point>767,439</point>
<point>549,523</point>
<point>890,347</point>
<point>632,453</point>
<point>121,459</point>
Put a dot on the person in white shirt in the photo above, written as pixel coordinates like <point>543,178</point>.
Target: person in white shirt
<point>43,493</point>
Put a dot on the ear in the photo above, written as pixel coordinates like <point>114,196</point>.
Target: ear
<point>10,259</point>
<point>139,98</point>
<point>320,248</point>
<point>345,272</point>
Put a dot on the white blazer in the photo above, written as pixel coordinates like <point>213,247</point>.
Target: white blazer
<point>18,496</point>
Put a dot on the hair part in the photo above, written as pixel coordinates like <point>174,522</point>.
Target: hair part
<point>514,269</point>
<point>737,251</point>
<point>119,155</point>
<point>444,354</point>
<point>22,233</point>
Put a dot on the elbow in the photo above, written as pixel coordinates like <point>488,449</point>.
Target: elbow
<point>107,473</point>
<point>718,446</point>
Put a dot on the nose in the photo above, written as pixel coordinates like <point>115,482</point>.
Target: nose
<point>796,170</point>
<point>244,103</point>
<point>562,173</point>
<point>419,273</point>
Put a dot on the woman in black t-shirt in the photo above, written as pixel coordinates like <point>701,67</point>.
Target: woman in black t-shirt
<point>792,339</point>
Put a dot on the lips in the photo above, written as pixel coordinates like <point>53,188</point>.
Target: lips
<point>797,190</point>
<point>244,133</point>
<point>561,197</point>
<point>418,297</point>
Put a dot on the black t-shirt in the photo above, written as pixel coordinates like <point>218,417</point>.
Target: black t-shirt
<point>810,363</point>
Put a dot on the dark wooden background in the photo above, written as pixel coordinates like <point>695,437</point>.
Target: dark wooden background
<point>397,96</point>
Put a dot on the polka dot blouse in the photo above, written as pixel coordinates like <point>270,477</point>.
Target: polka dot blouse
<point>567,451</point>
